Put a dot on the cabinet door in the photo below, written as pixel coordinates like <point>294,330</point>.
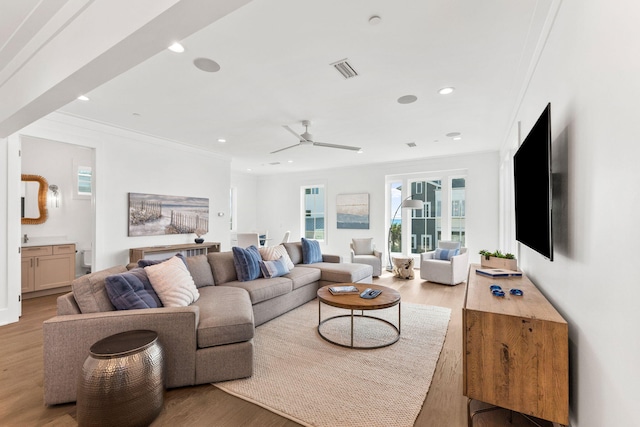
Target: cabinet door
<point>28,264</point>
<point>54,271</point>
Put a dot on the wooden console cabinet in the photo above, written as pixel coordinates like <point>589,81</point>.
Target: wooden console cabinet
<point>515,349</point>
<point>47,267</point>
<point>188,249</point>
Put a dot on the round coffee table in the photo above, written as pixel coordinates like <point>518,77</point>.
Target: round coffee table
<point>388,298</point>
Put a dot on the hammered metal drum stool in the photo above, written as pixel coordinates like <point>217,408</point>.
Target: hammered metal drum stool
<point>122,381</point>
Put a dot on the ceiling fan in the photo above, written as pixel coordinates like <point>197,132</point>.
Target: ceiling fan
<point>307,139</point>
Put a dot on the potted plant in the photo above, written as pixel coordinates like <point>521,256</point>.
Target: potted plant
<point>498,260</point>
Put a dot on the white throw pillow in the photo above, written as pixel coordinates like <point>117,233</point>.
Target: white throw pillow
<point>173,283</point>
<point>273,253</point>
<point>363,246</point>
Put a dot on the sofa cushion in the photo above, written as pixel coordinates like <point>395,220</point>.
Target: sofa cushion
<point>275,268</point>
<point>362,246</point>
<point>294,249</point>
<point>264,289</point>
<point>303,276</point>
<point>226,316</point>
<point>311,252</point>
<point>90,293</point>
<point>200,270</point>
<point>131,290</point>
<point>275,252</point>
<point>222,267</point>
<point>246,262</point>
<point>173,283</point>
<point>343,272</point>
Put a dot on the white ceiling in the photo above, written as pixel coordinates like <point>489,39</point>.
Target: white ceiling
<point>275,58</point>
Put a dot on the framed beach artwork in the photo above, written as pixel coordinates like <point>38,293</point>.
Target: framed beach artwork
<point>153,214</point>
<point>353,211</point>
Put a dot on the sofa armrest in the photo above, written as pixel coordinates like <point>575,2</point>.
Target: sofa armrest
<point>377,254</point>
<point>67,340</point>
<point>331,258</point>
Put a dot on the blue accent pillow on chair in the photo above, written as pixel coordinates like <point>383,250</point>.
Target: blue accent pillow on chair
<point>247,263</point>
<point>446,254</point>
<point>311,251</point>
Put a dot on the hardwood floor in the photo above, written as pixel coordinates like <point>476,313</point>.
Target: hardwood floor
<point>21,365</point>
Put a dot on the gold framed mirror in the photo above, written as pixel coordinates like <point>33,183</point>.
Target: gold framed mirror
<point>34,199</point>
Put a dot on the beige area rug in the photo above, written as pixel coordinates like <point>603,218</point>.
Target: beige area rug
<point>302,377</point>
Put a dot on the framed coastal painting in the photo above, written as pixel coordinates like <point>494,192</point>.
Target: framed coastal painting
<point>352,211</point>
<point>153,214</point>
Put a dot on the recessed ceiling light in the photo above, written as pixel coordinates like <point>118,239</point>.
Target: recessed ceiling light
<point>83,98</point>
<point>222,140</point>
<point>375,20</point>
<point>457,138</point>
<point>407,99</point>
<point>206,64</point>
<point>176,47</point>
<point>289,161</point>
<point>248,169</point>
<point>446,90</point>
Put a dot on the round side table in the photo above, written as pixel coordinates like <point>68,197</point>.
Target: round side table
<point>122,381</point>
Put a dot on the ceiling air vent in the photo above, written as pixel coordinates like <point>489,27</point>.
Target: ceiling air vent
<point>411,144</point>
<point>345,69</point>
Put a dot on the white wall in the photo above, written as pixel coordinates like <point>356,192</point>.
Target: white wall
<point>246,187</point>
<point>128,162</point>
<point>73,218</point>
<point>278,199</point>
<point>589,72</point>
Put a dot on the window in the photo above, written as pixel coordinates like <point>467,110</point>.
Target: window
<point>313,211</point>
<point>424,225</point>
<point>458,210</point>
<point>83,181</point>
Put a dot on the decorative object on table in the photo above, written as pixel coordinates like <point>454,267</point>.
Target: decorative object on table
<point>352,211</point>
<point>363,251</point>
<point>122,381</point>
<point>407,203</point>
<point>498,260</point>
<point>344,290</point>
<point>447,265</point>
<point>403,267</point>
<point>200,232</point>
<point>498,272</point>
<point>153,214</point>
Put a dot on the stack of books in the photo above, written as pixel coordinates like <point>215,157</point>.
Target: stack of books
<point>498,272</point>
<point>344,290</point>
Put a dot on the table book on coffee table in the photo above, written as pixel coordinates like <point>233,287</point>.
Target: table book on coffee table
<point>344,290</point>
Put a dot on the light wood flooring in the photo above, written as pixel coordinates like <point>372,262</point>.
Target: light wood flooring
<point>21,366</point>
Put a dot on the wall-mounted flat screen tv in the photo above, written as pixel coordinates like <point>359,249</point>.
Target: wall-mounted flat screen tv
<point>532,185</point>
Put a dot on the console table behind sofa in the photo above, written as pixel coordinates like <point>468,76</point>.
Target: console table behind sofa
<point>187,249</point>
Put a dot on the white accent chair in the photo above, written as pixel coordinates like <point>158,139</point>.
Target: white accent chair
<point>363,251</point>
<point>247,239</point>
<point>447,272</point>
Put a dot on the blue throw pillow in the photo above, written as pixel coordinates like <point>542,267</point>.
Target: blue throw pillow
<point>274,268</point>
<point>131,290</point>
<point>311,251</point>
<point>446,254</point>
<point>247,263</point>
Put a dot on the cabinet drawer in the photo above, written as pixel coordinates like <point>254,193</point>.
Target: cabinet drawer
<point>64,249</point>
<point>36,251</point>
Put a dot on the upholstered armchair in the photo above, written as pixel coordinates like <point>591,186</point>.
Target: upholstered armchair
<point>363,251</point>
<point>448,264</point>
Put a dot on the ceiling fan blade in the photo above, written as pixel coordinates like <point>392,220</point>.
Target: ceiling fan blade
<point>285,148</point>
<point>342,147</point>
<point>300,138</point>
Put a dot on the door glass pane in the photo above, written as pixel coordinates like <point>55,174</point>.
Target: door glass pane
<point>395,193</point>
<point>314,213</point>
<point>458,210</point>
<point>426,222</point>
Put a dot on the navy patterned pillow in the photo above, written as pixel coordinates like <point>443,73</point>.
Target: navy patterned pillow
<point>311,251</point>
<point>247,263</point>
<point>131,290</point>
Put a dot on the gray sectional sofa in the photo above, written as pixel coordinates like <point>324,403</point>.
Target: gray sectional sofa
<point>208,341</point>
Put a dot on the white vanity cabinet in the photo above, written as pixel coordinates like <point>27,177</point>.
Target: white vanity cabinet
<point>47,267</point>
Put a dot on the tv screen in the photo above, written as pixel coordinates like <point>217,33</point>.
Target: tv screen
<point>532,184</point>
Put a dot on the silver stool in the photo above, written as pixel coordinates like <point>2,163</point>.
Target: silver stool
<point>122,381</point>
